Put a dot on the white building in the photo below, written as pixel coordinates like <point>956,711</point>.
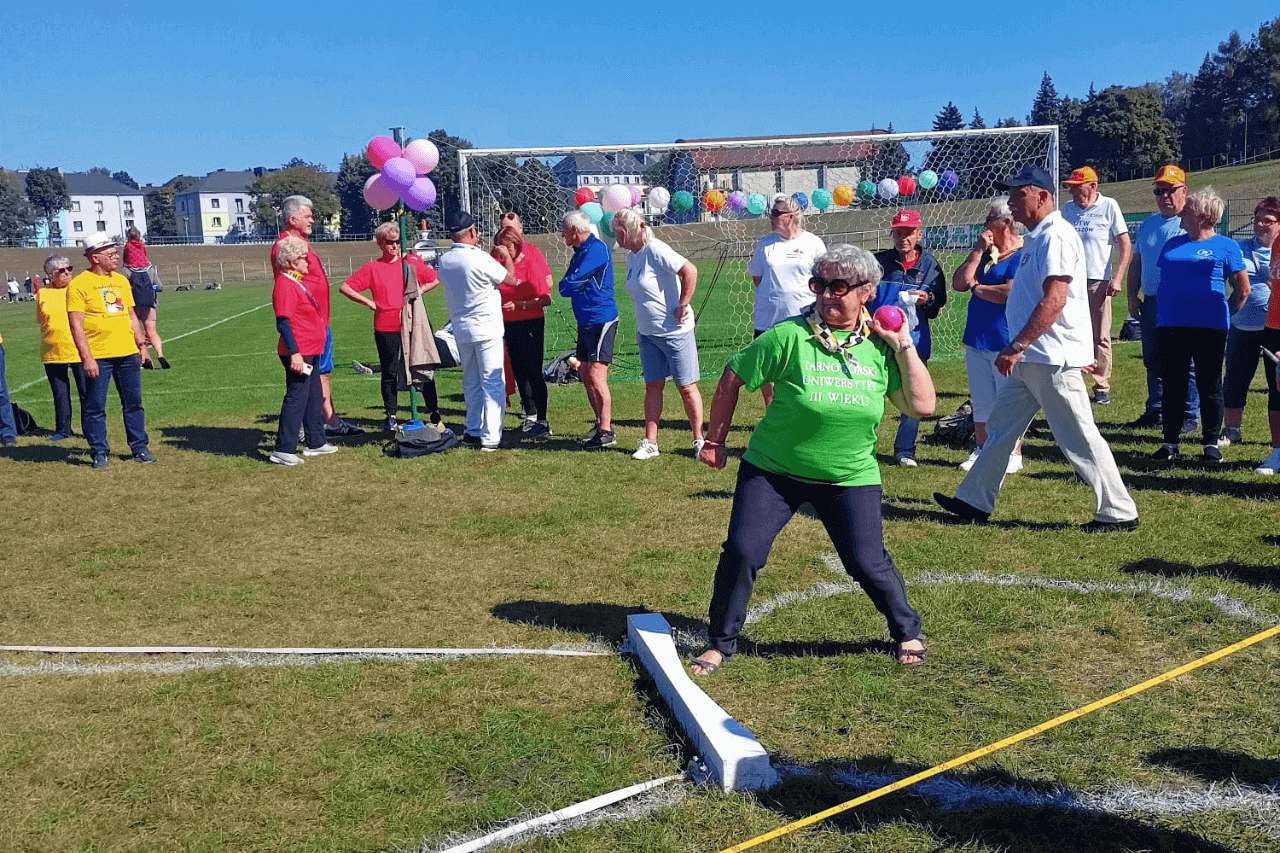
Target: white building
<point>98,204</point>
<point>218,206</point>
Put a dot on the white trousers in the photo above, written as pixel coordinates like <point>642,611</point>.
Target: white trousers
<point>483,388</point>
<point>1060,392</point>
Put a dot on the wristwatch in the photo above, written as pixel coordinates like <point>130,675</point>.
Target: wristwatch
<point>1017,346</point>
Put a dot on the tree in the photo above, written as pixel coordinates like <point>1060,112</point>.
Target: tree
<point>1047,107</point>
<point>270,189</point>
<point>99,170</point>
<point>1008,122</point>
<point>445,177</point>
<point>542,201</point>
<point>1123,133</point>
<point>357,216</point>
<point>17,215</point>
<point>298,161</point>
<point>161,221</point>
<point>1269,50</point>
<point>948,118</point>
<point>977,122</point>
<point>47,190</point>
<point>124,178</point>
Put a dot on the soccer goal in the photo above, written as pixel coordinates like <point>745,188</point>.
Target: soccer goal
<point>708,198</point>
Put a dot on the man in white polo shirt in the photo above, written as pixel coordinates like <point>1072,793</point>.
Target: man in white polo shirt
<point>1048,303</point>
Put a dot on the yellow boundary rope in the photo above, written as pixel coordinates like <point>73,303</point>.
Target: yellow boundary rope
<point>1009,741</point>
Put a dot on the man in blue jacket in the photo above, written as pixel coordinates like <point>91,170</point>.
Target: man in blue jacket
<point>588,282</point>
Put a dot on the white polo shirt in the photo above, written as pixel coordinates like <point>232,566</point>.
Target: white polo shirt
<point>470,280</point>
<point>1099,225</point>
<point>784,267</point>
<point>1053,249</point>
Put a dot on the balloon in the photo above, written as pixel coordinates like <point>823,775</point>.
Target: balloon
<point>802,200</point>
<point>378,195</point>
<point>682,202</point>
<point>756,204</point>
<point>821,198</point>
<point>928,179</point>
<point>423,154</point>
<point>615,198</point>
<point>605,222</point>
<point>593,211</point>
<point>636,195</point>
<point>421,195</point>
<point>659,199</point>
<point>736,200</point>
<point>866,189</point>
<point>948,181</point>
<point>583,195</point>
<point>906,185</point>
<point>399,174</point>
<point>842,195</point>
<point>891,317</point>
<point>887,189</point>
<point>381,149</point>
<point>713,200</point>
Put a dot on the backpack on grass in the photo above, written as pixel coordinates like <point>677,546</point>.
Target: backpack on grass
<point>24,421</point>
<point>955,429</point>
<point>420,441</point>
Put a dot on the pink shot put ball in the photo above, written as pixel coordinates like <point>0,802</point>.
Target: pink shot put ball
<point>891,317</point>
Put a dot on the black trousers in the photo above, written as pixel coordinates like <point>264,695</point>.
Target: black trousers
<point>525,346</point>
<point>1177,348</point>
<point>389,352</point>
<point>60,377</point>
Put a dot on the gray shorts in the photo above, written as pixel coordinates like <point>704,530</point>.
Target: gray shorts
<point>669,355</point>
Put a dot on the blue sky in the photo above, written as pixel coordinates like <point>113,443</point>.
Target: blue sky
<point>158,89</point>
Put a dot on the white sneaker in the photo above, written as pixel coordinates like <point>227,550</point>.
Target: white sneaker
<point>973,457</point>
<point>646,450</point>
<point>322,450</point>
<point>698,444</point>
<point>281,458</point>
<point>1271,465</point>
<point>1015,463</point>
<point>906,462</point>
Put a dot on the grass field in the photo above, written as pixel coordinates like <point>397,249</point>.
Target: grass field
<point>545,547</point>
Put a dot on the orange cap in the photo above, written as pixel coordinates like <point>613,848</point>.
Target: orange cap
<point>1083,175</point>
<point>1170,174</point>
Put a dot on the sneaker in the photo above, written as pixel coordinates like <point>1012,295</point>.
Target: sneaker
<point>1101,398</point>
<point>389,425</point>
<point>434,418</point>
<point>1015,463</point>
<point>489,448</point>
<point>144,457</point>
<point>1211,453</point>
<point>1270,465</point>
<point>540,430</point>
<point>1190,425</point>
<point>164,362</point>
<point>1165,453</point>
<point>279,457</point>
<point>955,506</point>
<point>588,435</point>
<point>905,461</point>
<point>1230,436</point>
<point>1147,420</point>
<point>1097,526</point>
<point>101,460</point>
<point>698,444</point>
<point>56,437</point>
<point>529,422</point>
<point>602,439</point>
<point>973,457</point>
<point>323,450</point>
<point>646,450</point>
<point>362,369</point>
<point>9,441</point>
<point>342,429</point>
<point>472,441</point>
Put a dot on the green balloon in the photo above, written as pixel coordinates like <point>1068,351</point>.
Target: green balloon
<point>606,223</point>
<point>928,179</point>
<point>682,202</point>
<point>756,203</point>
<point>820,198</point>
<point>866,189</point>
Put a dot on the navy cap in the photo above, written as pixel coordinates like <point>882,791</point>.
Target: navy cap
<point>458,220</point>
<point>1030,176</point>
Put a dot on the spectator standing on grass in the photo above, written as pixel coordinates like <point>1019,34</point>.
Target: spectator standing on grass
<point>918,273</point>
<point>1244,338</point>
<point>8,425</point>
<point>14,289</point>
<point>661,283</point>
<point>298,219</point>
<point>57,349</point>
<point>588,282</point>
<point>1100,224</point>
<point>780,268</point>
<point>383,279</point>
<point>1271,340</point>
<point>144,295</point>
<point>1049,306</point>
<point>470,278</point>
<point>300,322</point>
<point>1170,189</point>
<point>524,324</point>
<point>111,346</point>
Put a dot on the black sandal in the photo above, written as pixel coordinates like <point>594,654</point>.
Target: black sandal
<point>708,668</point>
<point>922,653</point>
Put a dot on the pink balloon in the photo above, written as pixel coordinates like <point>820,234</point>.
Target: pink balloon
<point>635,195</point>
<point>615,198</point>
<point>381,149</point>
<point>421,195</point>
<point>399,174</point>
<point>378,195</point>
<point>423,154</point>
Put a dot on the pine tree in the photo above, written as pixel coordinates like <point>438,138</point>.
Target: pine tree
<point>948,118</point>
<point>1047,107</point>
<point>977,122</point>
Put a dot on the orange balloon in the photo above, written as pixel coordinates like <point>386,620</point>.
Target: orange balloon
<point>713,201</point>
<point>842,195</point>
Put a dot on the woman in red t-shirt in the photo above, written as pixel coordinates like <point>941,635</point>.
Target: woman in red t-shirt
<point>525,323</point>
<point>301,327</point>
<point>144,295</point>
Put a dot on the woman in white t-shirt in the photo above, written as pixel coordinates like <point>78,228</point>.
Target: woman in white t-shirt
<point>780,267</point>
<point>660,283</point>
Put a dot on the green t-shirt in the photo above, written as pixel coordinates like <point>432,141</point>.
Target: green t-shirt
<point>822,422</point>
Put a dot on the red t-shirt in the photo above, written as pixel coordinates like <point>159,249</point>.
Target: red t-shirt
<point>532,274</point>
<point>135,255</point>
<point>293,301</point>
<point>386,280</point>
<point>316,281</point>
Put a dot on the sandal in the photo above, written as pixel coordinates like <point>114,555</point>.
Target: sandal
<point>708,668</point>
<point>912,657</point>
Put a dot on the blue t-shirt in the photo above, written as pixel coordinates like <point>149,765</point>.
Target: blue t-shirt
<point>986,327</point>
<point>588,282</point>
<point>1252,316</point>
<point>1153,233</point>
<point>1193,278</point>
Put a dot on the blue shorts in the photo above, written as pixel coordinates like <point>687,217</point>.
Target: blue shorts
<point>669,355</point>
<point>325,364</point>
<point>595,342</point>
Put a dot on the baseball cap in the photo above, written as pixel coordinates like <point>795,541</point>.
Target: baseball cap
<point>458,220</point>
<point>1170,174</point>
<point>1030,176</point>
<point>1083,175</point>
<point>905,219</point>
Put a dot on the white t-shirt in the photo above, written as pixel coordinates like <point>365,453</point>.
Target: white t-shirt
<point>784,267</point>
<point>1098,225</point>
<point>1053,249</point>
<point>653,283</point>
<point>470,279</point>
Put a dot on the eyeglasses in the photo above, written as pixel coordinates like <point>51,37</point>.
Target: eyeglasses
<point>835,287</point>
<point>1265,223</point>
<point>778,213</point>
<point>62,269</point>
<point>1160,192</point>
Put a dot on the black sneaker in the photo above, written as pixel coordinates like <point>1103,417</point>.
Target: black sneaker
<point>144,457</point>
<point>164,362</point>
<point>589,435</point>
<point>1165,453</point>
<point>599,440</point>
<point>101,460</point>
<point>1096,526</point>
<point>389,424</point>
<point>539,430</point>
<point>1101,398</point>
<point>1211,453</point>
<point>1230,436</point>
<point>955,506</point>
<point>1147,420</point>
<point>1190,425</point>
<point>470,440</point>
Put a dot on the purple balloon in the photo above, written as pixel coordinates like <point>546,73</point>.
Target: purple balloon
<point>399,173</point>
<point>737,200</point>
<point>421,195</point>
<point>635,195</point>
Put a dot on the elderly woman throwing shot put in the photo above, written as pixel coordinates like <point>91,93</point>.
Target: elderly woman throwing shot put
<point>832,367</point>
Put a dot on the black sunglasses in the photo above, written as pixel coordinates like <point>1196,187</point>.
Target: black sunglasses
<point>836,287</point>
<point>62,269</point>
<point>779,212</point>
<point>1164,191</point>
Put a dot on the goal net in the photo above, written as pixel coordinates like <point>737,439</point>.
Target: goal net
<point>708,198</point>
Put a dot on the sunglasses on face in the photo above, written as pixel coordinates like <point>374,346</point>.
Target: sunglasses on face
<point>779,212</point>
<point>835,287</point>
<point>1161,192</point>
<point>63,269</point>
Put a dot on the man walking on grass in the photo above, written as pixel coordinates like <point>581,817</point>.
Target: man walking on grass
<point>1048,303</point>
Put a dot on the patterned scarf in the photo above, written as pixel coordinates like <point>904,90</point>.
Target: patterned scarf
<point>823,335</point>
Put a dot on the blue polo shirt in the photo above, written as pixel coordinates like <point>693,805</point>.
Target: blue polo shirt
<point>588,282</point>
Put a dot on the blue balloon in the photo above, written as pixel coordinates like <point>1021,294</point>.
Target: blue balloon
<point>802,200</point>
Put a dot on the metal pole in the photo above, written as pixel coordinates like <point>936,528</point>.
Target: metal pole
<point>413,398</point>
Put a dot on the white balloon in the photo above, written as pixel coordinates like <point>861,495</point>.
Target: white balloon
<point>887,189</point>
<point>659,200</point>
<point>616,197</point>
<point>423,154</point>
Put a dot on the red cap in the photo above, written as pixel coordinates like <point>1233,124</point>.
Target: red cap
<point>1083,175</point>
<point>906,219</point>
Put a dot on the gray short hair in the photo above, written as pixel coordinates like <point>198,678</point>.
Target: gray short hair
<point>782,201</point>
<point>289,250</point>
<point>387,231</point>
<point>1208,206</point>
<point>850,263</point>
<point>52,262</point>
<point>576,220</point>
<point>1000,207</point>
<point>632,223</point>
<point>294,204</point>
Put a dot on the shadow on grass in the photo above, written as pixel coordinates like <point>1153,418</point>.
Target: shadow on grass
<point>223,441</point>
<point>71,452</point>
<point>928,511</point>
<point>1030,828</point>
<point>1256,576</point>
<point>1185,481</point>
<point>817,649</point>
<point>605,623</point>
<point>1214,765</point>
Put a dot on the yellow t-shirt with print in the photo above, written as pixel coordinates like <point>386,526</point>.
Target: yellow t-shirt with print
<point>105,301</point>
<point>56,346</point>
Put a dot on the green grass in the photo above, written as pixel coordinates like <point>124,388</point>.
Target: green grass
<point>540,546</point>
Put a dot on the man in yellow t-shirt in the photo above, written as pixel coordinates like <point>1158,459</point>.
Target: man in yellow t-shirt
<point>111,345</point>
